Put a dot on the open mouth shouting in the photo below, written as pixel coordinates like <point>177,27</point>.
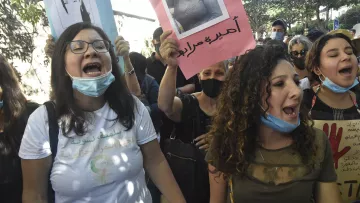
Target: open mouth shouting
<point>346,71</point>
<point>92,69</point>
<point>292,112</point>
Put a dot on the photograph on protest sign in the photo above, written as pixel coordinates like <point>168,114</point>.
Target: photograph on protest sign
<point>191,16</point>
<point>221,41</point>
<point>345,144</point>
<point>64,13</point>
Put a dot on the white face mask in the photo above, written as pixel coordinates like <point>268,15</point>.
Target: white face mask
<point>277,36</point>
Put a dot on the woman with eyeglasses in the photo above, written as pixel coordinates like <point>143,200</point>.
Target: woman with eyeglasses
<point>334,107</point>
<point>298,47</point>
<point>106,137</point>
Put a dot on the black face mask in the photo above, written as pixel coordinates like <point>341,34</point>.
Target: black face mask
<point>211,87</point>
<point>299,62</point>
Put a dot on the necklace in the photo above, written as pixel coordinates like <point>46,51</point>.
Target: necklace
<point>271,173</point>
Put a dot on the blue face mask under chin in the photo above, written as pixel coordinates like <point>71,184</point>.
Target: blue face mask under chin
<point>93,87</point>
<point>278,124</point>
<point>336,88</point>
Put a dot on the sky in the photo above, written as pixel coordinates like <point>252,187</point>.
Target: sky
<point>134,30</point>
<point>137,7</point>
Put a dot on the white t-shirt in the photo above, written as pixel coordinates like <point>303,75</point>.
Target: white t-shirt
<point>305,84</point>
<point>103,166</point>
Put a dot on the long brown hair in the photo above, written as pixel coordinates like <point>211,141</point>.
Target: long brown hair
<point>15,117</point>
<point>235,126</point>
<point>14,100</point>
<point>117,95</point>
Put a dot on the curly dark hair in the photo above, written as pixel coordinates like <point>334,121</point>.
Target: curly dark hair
<point>236,128</point>
<point>117,95</point>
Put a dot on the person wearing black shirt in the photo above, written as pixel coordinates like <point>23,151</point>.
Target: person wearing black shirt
<point>192,113</point>
<point>14,112</point>
<point>156,67</point>
<point>333,65</point>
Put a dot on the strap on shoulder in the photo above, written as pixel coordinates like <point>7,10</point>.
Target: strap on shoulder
<point>54,138</point>
<point>196,118</point>
<point>53,127</point>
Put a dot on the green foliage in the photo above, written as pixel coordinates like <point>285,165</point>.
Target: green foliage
<point>262,12</point>
<point>17,28</point>
<point>28,12</point>
<point>291,11</point>
<point>350,18</point>
<point>18,21</point>
<point>297,30</point>
<point>148,49</point>
<point>257,11</point>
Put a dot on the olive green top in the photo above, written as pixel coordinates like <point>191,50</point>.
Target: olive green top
<point>280,176</point>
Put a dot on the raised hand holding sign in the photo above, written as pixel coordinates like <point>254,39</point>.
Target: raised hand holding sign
<point>62,14</point>
<point>169,49</point>
<point>215,31</point>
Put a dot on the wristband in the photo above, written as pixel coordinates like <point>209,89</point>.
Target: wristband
<point>132,71</point>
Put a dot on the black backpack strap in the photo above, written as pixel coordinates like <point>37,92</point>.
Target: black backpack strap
<point>53,127</point>
<point>196,118</point>
<point>53,138</point>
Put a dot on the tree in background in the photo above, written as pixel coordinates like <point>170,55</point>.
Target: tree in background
<point>315,6</point>
<point>290,11</point>
<point>262,12</point>
<point>148,49</point>
<point>17,28</point>
<point>350,18</point>
<point>258,14</point>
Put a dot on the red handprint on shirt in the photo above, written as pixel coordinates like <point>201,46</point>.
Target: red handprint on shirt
<point>335,139</point>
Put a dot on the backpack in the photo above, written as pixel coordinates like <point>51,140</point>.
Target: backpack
<point>53,138</point>
<point>187,162</point>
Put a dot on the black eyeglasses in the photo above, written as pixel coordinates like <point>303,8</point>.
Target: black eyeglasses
<point>296,53</point>
<point>80,46</point>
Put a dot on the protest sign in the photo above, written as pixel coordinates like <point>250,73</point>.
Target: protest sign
<point>63,13</point>
<point>344,138</point>
<point>209,31</point>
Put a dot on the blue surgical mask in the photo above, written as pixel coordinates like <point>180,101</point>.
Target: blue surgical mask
<point>1,104</point>
<point>279,125</point>
<point>277,36</point>
<point>93,87</point>
<point>336,88</point>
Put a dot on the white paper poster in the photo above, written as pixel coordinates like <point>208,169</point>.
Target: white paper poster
<point>63,13</point>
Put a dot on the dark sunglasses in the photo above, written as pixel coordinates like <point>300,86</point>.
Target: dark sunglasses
<point>296,53</point>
